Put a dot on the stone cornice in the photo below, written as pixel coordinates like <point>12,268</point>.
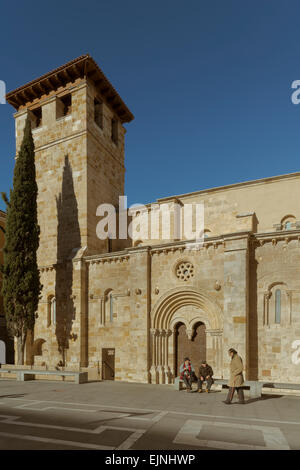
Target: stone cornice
<point>274,237</point>
<point>107,257</point>
<point>181,246</point>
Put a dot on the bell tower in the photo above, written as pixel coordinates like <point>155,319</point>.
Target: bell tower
<point>77,124</point>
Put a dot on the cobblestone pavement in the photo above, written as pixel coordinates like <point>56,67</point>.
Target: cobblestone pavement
<point>113,415</point>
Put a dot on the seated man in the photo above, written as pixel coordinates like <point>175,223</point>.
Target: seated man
<point>205,375</point>
<point>186,373</point>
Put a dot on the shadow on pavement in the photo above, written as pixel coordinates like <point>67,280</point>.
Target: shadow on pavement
<point>263,397</point>
<point>19,395</point>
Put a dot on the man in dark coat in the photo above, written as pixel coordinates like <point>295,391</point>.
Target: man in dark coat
<point>236,380</point>
<point>205,375</point>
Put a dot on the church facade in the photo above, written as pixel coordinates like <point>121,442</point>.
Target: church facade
<point>131,310</point>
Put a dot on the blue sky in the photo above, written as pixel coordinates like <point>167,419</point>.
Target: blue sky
<point>209,83</point>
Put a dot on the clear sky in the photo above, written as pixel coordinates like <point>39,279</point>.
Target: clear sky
<point>209,83</point>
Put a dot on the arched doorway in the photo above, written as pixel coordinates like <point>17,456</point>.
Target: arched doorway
<point>2,352</point>
<point>184,322</point>
<point>194,347</point>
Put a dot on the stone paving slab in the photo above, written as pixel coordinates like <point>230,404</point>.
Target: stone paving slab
<point>114,415</point>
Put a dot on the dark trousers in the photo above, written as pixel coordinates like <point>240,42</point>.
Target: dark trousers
<point>240,393</point>
<point>187,381</point>
<point>209,383</point>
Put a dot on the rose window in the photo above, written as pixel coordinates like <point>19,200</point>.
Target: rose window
<point>185,271</point>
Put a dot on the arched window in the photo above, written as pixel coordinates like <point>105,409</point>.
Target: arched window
<point>53,311</point>
<point>51,314</point>
<point>109,306</point>
<point>2,352</point>
<point>288,225</point>
<point>288,222</point>
<point>207,233</point>
<point>277,306</point>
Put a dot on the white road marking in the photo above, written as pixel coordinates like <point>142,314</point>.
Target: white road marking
<point>187,435</point>
<point>155,419</point>
<point>100,407</point>
<point>56,441</point>
<point>126,444</point>
<point>12,420</point>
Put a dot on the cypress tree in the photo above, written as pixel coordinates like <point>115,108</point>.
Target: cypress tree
<point>21,286</point>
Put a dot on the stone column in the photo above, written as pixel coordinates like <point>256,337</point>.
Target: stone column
<point>102,311</point>
<point>153,369</point>
<point>139,333</point>
<point>266,320</point>
<point>79,349</point>
<point>167,370</point>
<point>215,351</point>
<point>160,357</point>
<point>236,304</point>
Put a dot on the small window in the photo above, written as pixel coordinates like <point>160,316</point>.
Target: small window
<point>51,311</point>
<point>36,117</point>
<point>288,225</point>
<point>277,306</point>
<point>98,112</point>
<point>111,308</point>
<point>114,131</point>
<point>63,106</point>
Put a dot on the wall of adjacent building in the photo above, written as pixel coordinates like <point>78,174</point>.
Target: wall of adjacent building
<point>277,266</point>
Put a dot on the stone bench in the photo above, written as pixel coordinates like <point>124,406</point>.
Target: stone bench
<point>255,387</point>
<point>29,374</point>
<point>282,386</point>
<point>178,383</point>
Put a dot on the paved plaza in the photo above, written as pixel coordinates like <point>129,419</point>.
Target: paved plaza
<point>123,416</point>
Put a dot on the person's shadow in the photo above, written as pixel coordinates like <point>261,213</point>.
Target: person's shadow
<point>262,398</point>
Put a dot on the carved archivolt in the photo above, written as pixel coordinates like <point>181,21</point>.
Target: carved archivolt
<point>165,308</point>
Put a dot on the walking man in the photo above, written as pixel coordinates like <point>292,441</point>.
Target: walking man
<point>236,380</point>
<point>205,375</point>
<point>186,373</point>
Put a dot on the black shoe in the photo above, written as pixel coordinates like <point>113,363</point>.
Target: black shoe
<point>242,402</point>
<point>227,402</point>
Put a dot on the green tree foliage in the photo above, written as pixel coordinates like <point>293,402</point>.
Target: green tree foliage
<point>21,286</point>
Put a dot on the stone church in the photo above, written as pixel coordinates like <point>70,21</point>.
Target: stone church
<point>131,310</point>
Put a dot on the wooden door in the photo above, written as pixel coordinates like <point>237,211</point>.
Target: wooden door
<point>108,364</point>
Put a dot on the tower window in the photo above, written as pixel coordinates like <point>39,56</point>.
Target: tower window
<point>98,112</point>
<point>114,131</point>
<point>277,306</point>
<point>63,106</point>
<point>51,311</point>
<point>36,117</point>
